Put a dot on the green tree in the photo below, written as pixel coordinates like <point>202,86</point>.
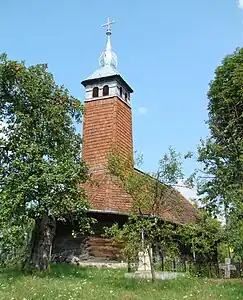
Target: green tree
<point>154,198</point>
<point>221,154</point>
<point>203,238</point>
<point>40,156</point>
<point>150,192</point>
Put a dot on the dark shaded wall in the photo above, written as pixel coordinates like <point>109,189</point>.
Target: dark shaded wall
<point>66,246</point>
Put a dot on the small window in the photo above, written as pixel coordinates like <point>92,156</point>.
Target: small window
<point>120,91</point>
<point>105,90</point>
<point>126,96</point>
<point>95,92</point>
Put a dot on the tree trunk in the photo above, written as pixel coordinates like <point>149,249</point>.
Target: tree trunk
<point>129,267</point>
<point>40,248</point>
<point>151,264</point>
<point>161,255</point>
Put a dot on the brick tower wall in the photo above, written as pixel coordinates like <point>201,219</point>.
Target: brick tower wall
<point>107,125</point>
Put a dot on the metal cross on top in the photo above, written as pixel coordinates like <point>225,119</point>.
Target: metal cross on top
<point>108,24</point>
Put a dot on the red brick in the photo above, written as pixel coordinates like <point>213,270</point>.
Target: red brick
<point>108,125</point>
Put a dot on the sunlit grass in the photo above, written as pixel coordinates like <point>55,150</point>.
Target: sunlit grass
<point>69,282</point>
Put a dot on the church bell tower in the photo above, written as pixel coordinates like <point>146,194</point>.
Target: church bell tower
<point>107,117</point>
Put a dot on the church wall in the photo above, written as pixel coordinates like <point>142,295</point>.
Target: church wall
<point>98,132</point>
<point>124,129</point>
<point>87,247</point>
<point>107,125</point>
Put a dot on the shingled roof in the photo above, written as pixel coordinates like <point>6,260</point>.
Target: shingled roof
<point>105,194</point>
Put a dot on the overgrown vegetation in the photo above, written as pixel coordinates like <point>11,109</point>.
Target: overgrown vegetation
<point>153,223</point>
<point>151,199</point>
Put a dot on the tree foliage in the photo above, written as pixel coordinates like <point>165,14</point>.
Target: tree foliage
<point>151,195</point>
<point>147,229</point>
<point>222,153</point>
<point>203,237</point>
<point>40,154</point>
<point>150,191</point>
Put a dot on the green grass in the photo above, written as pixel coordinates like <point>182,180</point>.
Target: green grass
<point>75,283</point>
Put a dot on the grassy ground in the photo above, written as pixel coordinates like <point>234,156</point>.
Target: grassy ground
<point>74,283</point>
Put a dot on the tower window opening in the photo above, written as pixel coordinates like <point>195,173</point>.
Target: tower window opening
<point>105,90</point>
<point>95,92</point>
<point>126,96</point>
<point>120,91</point>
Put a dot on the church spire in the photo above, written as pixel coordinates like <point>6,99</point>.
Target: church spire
<point>107,72</point>
<point>108,57</point>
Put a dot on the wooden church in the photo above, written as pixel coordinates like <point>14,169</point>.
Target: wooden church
<point>107,123</point>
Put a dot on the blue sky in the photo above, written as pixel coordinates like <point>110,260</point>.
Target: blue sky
<point>167,51</point>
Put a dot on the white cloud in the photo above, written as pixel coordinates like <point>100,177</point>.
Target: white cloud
<point>189,194</point>
<point>142,110</point>
<point>240,4</point>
